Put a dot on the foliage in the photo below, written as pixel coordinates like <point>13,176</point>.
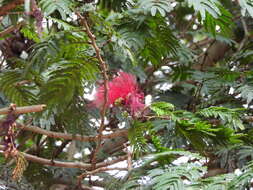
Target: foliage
<point>230,116</point>
<point>192,58</point>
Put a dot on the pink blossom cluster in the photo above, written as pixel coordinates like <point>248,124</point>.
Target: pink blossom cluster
<point>123,89</point>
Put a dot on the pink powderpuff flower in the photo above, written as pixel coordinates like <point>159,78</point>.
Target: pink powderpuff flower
<point>123,89</point>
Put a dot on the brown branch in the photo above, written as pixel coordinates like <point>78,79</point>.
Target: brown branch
<point>12,5</point>
<point>110,162</point>
<point>21,83</point>
<point>106,42</point>
<point>129,160</point>
<point>104,69</point>
<point>22,110</point>
<point>78,165</point>
<point>65,136</point>
<point>188,26</point>
<point>247,119</point>
<point>11,29</point>
<point>201,43</point>
<point>246,35</point>
<point>48,162</point>
<point>110,147</point>
<point>103,169</point>
<point>15,13</point>
<point>34,146</point>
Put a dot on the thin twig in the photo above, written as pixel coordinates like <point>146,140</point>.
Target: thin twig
<point>106,42</point>
<point>188,26</point>
<point>129,157</point>
<point>21,83</point>
<point>25,151</point>
<point>201,43</point>
<point>11,29</point>
<point>15,13</point>
<point>22,110</point>
<point>246,35</point>
<point>111,162</point>
<point>2,61</point>
<point>12,5</point>
<point>76,137</point>
<point>103,169</point>
<point>44,161</point>
<point>157,117</point>
<point>55,163</point>
<point>104,69</point>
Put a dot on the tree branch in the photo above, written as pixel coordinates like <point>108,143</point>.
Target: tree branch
<point>11,29</point>
<point>246,35</point>
<point>48,162</point>
<point>78,165</point>
<point>110,162</point>
<point>103,169</point>
<point>12,5</point>
<point>65,136</point>
<point>22,110</point>
<point>104,69</point>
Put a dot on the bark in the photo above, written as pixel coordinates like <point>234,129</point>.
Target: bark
<point>8,7</point>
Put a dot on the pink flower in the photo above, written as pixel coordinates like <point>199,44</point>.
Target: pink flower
<point>123,89</point>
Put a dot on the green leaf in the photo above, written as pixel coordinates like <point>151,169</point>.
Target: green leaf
<point>162,108</point>
<point>30,34</point>
<point>246,7</point>
<point>20,95</point>
<point>162,6</point>
<point>230,116</point>
<point>246,92</point>
<point>62,6</point>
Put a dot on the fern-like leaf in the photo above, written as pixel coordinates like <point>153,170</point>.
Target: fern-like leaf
<point>154,6</point>
<point>162,108</point>
<point>66,79</point>
<point>229,116</point>
<point>62,6</point>
<point>19,94</point>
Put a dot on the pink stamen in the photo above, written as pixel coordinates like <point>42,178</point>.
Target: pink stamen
<point>122,87</point>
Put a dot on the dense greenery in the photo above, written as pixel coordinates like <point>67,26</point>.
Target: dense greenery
<point>193,57</point>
